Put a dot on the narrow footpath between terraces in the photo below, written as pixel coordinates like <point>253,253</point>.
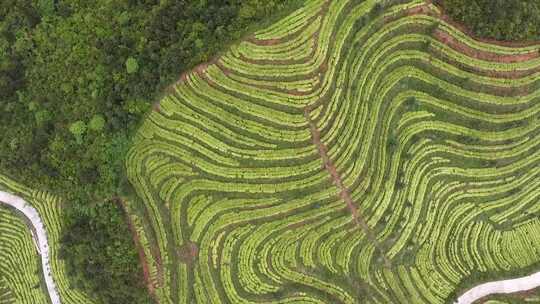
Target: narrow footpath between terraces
<point>41,241</point>
<point>344,193</point>
<point>500,287</point>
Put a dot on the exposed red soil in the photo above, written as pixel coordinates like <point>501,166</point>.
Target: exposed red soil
<point>159,264</point>
<point>188,253</point>
<point>421,9</point>
<point>344,193</point>
<point>140,250</point>
<point>227,72</point>
<point>497,90</point>
<point>183,77</point>
<point>324,66</point>
<point>526,293</point>
<point>264,42</point>
<point>322,69</point>
<point>280,61</point>
<point>156,106</point>
<point>510,74</point>
<point>444,16</point>
<point>459,46</point>
<point>315,37</point>
<point>463,48</point>
<point>199,69</point>
<point>269,42</point>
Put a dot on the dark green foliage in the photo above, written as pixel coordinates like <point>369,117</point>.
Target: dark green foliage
<point>412,103</point>
<point>392,143</point>
<point>101,258</point>
<point>63,63</point>
<point>76,77</point>
<point>498,19</point>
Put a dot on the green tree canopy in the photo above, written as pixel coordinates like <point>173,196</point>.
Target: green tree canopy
<point>513,20</point>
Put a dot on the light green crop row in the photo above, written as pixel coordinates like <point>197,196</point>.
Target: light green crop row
<point>20,266</point>
<point>434,156</point>
<point>50,209</point>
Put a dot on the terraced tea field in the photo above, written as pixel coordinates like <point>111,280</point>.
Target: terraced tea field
<point>353,152</point>
<point>21,271</point>
<point>356,151</point>
<point>17,251</point>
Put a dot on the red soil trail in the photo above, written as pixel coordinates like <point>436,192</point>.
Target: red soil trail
<point>509,74</point>
<point>268,42</point>
<point>142,255</point>
<point>276,41</point>
<point>199,69</point>
<point>459,46</point>
<point>344,193</point>
<point>417,10</point>
<point>265,42</point>
<point>446,18</point>
<point>156,107</point>
<point>228,72</point>
<point>188,253</point>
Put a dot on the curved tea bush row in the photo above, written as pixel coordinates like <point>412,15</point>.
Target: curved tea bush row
<point>20,268</point>
<point>50,209</point>
<point>358,151</point>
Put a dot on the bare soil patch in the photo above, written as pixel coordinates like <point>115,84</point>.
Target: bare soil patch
<point>509,74</point>
<point>227,72</point>
<point>188,253</point>
<point>463,48</point>
<point>275,41</point>
<point>264,42</point>
<point>480,54</point>
<point>156,106</point>
<point>444,16</point>
<point>421,9</point>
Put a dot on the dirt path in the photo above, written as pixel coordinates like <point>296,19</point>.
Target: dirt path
<point>41,235</point>
<point>142,255</point>
<point>446,18</point>
<point>500,287</point>
<point>461,47</point>
<point>344,193</point>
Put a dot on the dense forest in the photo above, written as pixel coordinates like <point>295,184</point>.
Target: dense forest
<point>76,77</point>
<point>101,257</point>
<point>509,20</point>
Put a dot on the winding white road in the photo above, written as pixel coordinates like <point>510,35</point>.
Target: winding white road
<point>41,234</point>
<point>498,287</point>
